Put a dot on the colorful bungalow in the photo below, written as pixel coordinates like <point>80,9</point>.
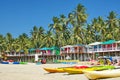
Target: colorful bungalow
<point>52,53</point>
<point>107,48</point>
<point>16,55</point>
<point>73,52</point>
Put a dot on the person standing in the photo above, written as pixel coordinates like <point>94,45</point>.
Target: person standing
<point>36,58</point>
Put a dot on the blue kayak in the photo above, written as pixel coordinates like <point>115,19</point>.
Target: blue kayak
<point>16,62</point>
<point>5,62</point>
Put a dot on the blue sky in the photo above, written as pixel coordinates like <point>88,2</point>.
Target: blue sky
<point>19,16</point>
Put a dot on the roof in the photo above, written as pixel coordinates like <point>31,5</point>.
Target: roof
<point>95,43</point>
<point>117,41</point>
<point>108,42</point>
<point>67,46</point>
<point>45,48</point>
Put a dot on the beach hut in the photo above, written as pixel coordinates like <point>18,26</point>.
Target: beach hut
<point>95,46</point>
<point>45,51</point>
<point>31,53</point>
<point>55,52</point>
<point>65,51</point>
<point>108,48</point>
<point>118,45</point>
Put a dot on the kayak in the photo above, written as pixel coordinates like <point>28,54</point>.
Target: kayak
<point>73,71</point>
<point>5,62</point>
<point>61,69</point>
<point>80,70</point>
<point>102,74</point>
<point>106,67</point>
<point>16,63</point>
<point>54,70</point>
<point>81,67</point>
<point>76,71</point>
<point>23,62</point>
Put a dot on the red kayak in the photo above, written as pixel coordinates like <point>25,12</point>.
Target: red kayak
<point>79,67</point>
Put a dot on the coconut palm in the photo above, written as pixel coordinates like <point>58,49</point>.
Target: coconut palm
<point>2,43</point>
<point>56,28</point>
<point>102,28</point>
<point>34,37</point>
<point>118,35</point>
<point>64,33</point>
<point>9,42</point>
<point>112,24</point>
<point>48,40</point>
<point>23,43</point>
<point>41,33</point>
<point>96,29</point>
<point>78,19</point>
<point>89,34</point>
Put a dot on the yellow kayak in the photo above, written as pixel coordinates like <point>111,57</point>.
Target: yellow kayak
<point>76,71</point>
<point>54,70</point>
<point>80,71</point>
<point>102,74</point>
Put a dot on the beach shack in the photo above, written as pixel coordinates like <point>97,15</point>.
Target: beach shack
<point>110,48</point>
<point>16,55</point>
<point>93,48</point>
<point>73,52</point>
<point>51,53</point>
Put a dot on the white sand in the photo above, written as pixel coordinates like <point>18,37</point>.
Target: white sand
<point>36,72</point>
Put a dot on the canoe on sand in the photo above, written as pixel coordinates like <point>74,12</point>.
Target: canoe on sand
<point>61,69</point>
<point>76,71</point>
<point>54,70</point>
<point>80,70</point>
<point>92,75</point>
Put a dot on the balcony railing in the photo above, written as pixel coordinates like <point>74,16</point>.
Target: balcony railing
<point>104,49</point>
<point>72,51</point>
<point>39,54</point>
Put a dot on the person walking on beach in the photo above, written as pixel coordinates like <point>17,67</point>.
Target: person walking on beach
<point>36,58</point>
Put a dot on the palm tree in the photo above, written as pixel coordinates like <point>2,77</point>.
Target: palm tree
<point>64,33</point>
<point>101,27</point>
<point>96,29</point>
<point>41,33</point>
<point>23,44</point>
<point>80,14</point>
<point>2,46</point>
<point>2,43</point>
<point>48,40</point>
<point>34,37</point>
<point>78,19</point>
<point>118,35</point>
<point>9,42</point>
<point>89,34</point>
<point>56,28</point>
<point>112,24</point>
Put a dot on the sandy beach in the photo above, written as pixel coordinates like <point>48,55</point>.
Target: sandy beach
<point>31,71</point>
